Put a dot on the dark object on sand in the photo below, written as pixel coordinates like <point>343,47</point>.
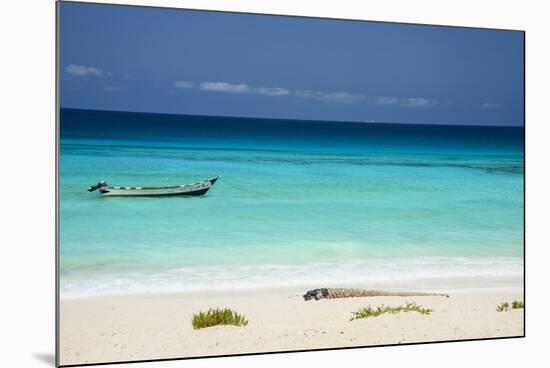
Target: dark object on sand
<point>333,293</point>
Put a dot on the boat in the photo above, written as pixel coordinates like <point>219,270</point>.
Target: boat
<point>195,189</point>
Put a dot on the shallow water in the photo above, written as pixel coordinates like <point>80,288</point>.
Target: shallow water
<point>298,203</point>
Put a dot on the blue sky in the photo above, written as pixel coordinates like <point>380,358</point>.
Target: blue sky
<point>206,63</point>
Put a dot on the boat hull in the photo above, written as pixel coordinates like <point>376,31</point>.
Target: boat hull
<point>197,189</point>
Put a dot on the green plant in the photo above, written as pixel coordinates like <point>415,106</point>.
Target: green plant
<point>218,316</point>
<point>516,304</point>
<point>505,306</point>
<point>382,309</point>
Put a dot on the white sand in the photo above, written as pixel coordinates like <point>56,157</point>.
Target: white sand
<point>121,328</point>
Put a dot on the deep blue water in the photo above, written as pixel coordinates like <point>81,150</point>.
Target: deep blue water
<point>299,203</point>
<point>221,132</point>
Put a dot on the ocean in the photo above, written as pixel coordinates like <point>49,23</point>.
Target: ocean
<point>300,204</point>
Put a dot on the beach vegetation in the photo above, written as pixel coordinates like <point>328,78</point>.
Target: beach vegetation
<point>505,306</point>
<point>218,316</point>
<point>517,304</point>
<point>383,309</point>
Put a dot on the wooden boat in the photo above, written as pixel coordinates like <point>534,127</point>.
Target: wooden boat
<point>195,189</point>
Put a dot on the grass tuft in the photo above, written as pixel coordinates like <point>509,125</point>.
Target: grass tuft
<point>505,306</point>
<point>218,316</point>
<point>382,309</point>
<point>516,304</point>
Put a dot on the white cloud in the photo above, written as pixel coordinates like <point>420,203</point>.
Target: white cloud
<point>384,100</point>
<point>271,91</point>
<point>326,97</point>
<point>490,105</point>
<point>243,88</point>
<point>83,70</point>
<point>341,97</point>
<point>184,84</point>
<point>419,102</point>
<point>331,97</point>
<point>407,102</point>
<point>224,87</point>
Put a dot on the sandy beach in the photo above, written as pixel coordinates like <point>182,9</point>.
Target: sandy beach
<point>134,327</point>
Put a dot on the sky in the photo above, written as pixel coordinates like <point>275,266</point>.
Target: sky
<point>226,64</point>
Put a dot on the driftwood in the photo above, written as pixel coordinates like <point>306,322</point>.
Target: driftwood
<point>333,293</point>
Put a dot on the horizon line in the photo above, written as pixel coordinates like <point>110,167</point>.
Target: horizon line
<point>521,125</point>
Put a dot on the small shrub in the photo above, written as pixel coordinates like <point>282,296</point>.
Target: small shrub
<point>382,309</point>
<point>218,316</point>
<point>516,304</point>
<point>505,306</point>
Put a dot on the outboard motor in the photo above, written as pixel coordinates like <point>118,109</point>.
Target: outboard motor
<point>99,185</point>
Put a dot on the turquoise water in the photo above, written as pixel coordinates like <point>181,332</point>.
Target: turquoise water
<point>286,213</point>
